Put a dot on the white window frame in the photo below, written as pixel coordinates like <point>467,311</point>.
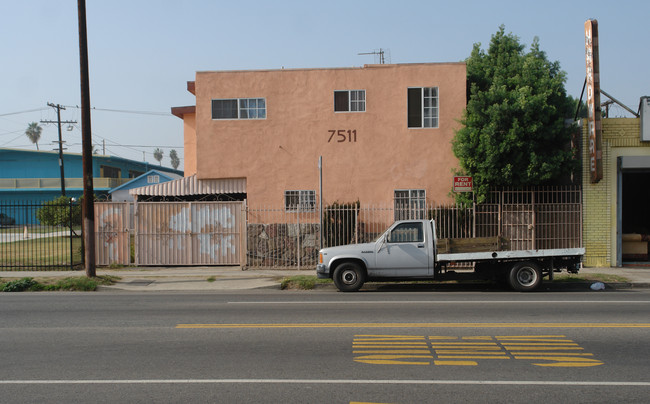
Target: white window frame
<point>351,101</point>
<point>306,200</point>
<point>240,108</point>
<point>424,107</point>
<point>153,179</point>
<point>412,206</point>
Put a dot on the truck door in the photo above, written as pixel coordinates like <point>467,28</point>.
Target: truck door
<point>404,252</point>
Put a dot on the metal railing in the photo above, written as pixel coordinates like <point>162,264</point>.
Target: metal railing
<point>26,242</point>
<point>39,183</point>
<point>534,218</point>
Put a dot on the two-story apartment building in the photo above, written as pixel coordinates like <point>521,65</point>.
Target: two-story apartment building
<point>383,132</point>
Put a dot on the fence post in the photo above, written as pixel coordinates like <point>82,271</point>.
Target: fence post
<point>533,218</point>
<point>70,201</point>
<point>473,214</point>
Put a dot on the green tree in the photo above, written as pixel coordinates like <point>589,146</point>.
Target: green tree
<point>33,132</point>
<point>158,155</point>
<point>173,156</point>
<point>514,131</point>
<point>60,212</point>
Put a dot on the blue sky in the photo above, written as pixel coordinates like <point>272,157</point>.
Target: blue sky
<point>142,53</point>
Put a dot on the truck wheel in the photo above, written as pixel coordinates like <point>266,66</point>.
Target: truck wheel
<point>348,277</point>
<point>525,276</point>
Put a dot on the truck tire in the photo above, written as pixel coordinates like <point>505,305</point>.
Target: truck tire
<point>349,277</point>
<point>525,276</point>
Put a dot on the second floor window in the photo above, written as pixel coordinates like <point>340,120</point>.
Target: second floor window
<point>239,108</point>
<point>423,107</point>
<point>350,101</point>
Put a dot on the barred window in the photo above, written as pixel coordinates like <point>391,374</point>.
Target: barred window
<point>410,204</point>
<point>304,201</point>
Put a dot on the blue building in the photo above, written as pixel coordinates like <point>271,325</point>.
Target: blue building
<point>35,176</point>
<point>121,193</point>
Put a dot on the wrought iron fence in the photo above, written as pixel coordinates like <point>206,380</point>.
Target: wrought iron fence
<point>534,218</point>
<point>40,236</point>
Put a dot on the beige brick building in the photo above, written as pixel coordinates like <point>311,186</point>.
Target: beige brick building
<point>616,210</point>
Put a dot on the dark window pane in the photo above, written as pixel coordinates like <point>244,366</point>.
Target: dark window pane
<point>341,101</point>
<point>414,107</point>
<point>224,109</point>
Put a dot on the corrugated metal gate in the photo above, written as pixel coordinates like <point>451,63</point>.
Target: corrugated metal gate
<point>169,233</point>
<point>112,236</point>
<point>188,233</point>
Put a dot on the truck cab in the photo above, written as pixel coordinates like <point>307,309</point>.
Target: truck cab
<point>405,250</point>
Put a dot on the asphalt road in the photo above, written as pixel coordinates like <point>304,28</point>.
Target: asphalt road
<point>325,347</point>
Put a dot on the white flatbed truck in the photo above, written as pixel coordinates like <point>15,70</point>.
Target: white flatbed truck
<point>409,250</point>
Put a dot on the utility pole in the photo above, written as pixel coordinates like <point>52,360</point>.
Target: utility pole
<point>87,147</point>
<point>59,122</point>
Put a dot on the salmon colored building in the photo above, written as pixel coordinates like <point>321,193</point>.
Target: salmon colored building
<point>384,132</point>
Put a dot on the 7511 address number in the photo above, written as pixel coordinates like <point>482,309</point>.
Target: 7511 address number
<point>342,135</point>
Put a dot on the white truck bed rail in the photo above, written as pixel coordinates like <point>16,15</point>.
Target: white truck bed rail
<point>506,255</point>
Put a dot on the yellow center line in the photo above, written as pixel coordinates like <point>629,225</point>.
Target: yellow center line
<point>421,325</point>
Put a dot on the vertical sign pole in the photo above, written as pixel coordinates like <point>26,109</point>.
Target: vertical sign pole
<point>320,196</point>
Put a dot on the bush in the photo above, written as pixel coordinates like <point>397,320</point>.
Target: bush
<point>340,223</point>
<point>19,285</point>
<point>60,212</point>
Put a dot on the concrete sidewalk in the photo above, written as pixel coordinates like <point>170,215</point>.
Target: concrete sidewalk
<point>210,278</point>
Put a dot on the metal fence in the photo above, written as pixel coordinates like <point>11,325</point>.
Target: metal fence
<point>40,236</point>
<point>168,233</point>
<point>534,218</point>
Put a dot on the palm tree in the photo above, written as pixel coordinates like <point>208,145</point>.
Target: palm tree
<point>33,132</point>
<point>158,155</point>
<point>174,158</point>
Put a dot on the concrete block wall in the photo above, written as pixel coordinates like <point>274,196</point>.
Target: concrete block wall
<point>620,135</point>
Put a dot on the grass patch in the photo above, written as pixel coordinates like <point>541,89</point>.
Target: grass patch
<point>48,251</point>
<point>605,278</point>
<point>77,283</point>
<point>211,279</point>
<point>303,282</point>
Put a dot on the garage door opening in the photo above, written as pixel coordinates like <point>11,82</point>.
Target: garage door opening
<point>635,218</point>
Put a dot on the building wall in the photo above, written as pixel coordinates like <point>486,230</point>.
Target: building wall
<point>620,138</point>
<point>189,144</point>
<point>44,165</point>
<point>15,163</point>
<point>281,152</point>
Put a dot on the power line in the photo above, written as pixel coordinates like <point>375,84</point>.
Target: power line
<point>126,111</point>
<point>23,112</point>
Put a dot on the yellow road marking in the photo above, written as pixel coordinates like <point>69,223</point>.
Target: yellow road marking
<point>450,351</point>
<point>468,351</point>
<point>562,361</point>
<point>518,344</point>
<point>422,325</point>
<point>472,357</point>
<point>455,363</point>
<point>397,351</point>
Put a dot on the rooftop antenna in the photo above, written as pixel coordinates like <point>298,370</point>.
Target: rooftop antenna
<point>381,52</point>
